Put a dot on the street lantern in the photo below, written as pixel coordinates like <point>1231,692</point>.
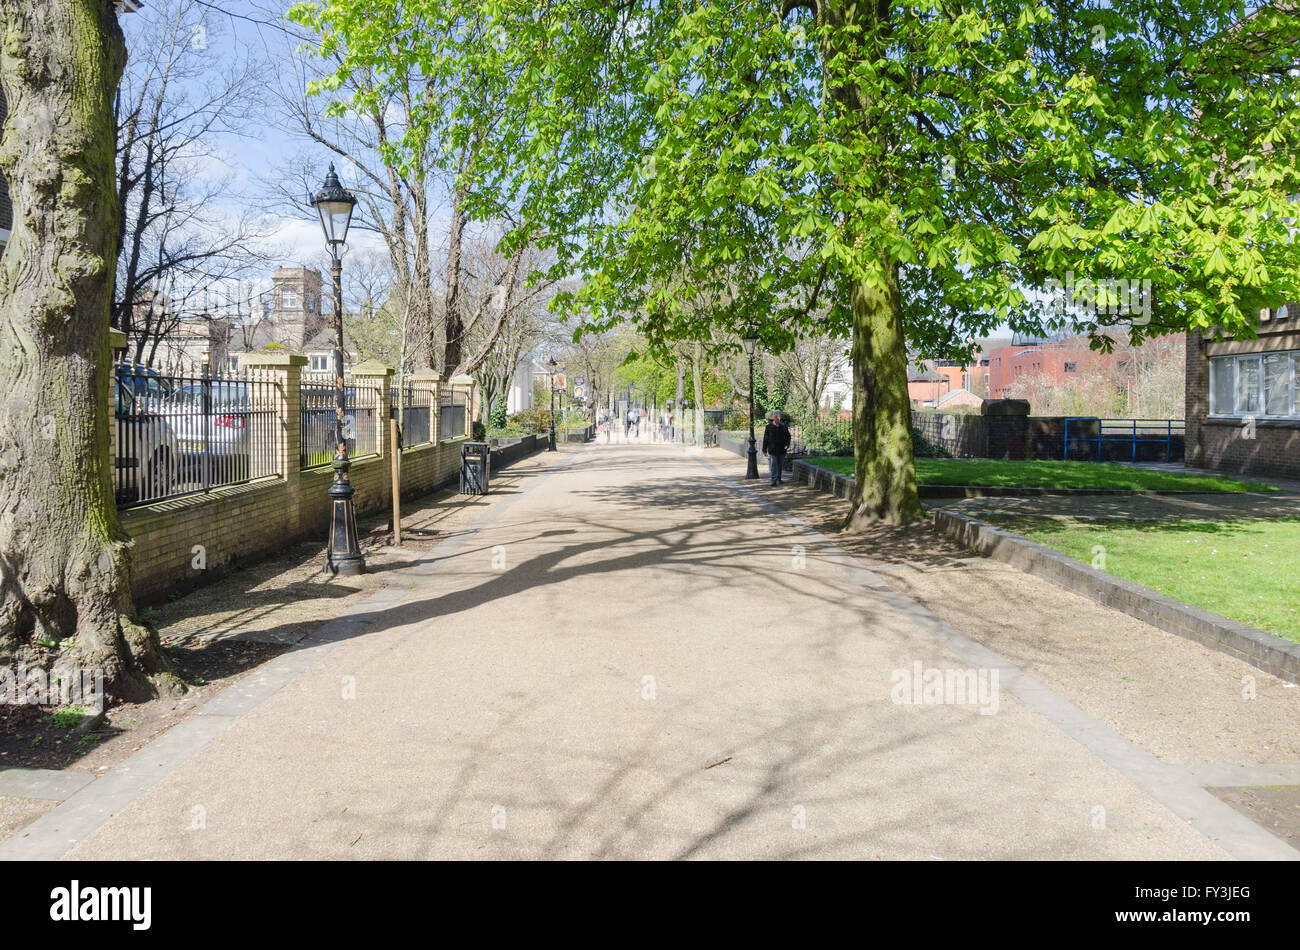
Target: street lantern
<point>750,342</point>
<point>551,381</point>
<point>334,204</point>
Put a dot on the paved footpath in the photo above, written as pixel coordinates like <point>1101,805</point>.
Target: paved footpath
<point>635,657</point>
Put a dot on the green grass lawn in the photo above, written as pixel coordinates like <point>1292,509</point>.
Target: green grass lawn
<point>1244,570</point>
<point>1041,474</point>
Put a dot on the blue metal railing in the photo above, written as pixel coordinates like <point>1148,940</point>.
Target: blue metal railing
<point>1121,432</point>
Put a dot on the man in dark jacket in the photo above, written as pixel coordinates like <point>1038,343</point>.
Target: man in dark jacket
<point>776,441</point>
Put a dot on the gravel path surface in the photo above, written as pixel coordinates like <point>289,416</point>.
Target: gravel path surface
<point>634,657</point>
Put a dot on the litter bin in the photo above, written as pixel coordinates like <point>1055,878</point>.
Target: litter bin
<point>474,458</point>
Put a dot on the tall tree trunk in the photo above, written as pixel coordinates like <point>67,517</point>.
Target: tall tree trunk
<point>884,477</point>
<point>453,319</point>
<point>63,555</point>
<point>884,474</point>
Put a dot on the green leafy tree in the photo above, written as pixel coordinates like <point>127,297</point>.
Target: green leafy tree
<point>654,380</point>
<point>813,165</point>
<point>774,398</point>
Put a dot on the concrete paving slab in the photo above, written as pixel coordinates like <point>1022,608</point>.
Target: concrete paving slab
<point>41,783</point>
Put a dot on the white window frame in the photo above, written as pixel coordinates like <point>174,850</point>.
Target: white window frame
<point>319,364</point>
<point>1235,379</point>
<point>288,299</point>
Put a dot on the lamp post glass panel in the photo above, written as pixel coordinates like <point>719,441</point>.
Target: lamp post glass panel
<point>751,343</point>
<point>551,381</point>
<point>334,204</point>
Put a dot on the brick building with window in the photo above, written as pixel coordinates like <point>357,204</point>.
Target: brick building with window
<point>1243,398</point>
<point>1059,361</point>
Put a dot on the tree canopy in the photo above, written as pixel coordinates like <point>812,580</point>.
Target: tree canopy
<point>906,171</point>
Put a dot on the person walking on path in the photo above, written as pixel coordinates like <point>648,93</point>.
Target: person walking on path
<point>776,441</point>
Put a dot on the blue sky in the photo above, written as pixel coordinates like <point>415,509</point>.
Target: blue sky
<point>233,31</point>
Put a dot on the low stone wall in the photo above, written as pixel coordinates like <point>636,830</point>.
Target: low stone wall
<point>186,542</point>
<point>514,450</point>
<point>822,479</point>
<point>741,447</point>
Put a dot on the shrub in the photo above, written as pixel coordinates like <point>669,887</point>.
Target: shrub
<point>736,421</point>
<point>478,431</point>
<point>536,419</point>
<point>827,437</point>
<point>497,417</point>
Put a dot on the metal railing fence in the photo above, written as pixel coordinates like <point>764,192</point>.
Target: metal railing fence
<point>416,416</point>
<point>1092,438</point>
<point>180,435</point>
<point>451,413</point>
<point>317,419</point>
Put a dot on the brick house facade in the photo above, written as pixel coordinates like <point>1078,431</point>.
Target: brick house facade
<point>1243,399</point>
<point>1059,361</point>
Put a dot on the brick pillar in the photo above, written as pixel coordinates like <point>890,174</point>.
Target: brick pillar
<point>284,370</point>
<point>1007,424</point>
<point>466,385</point>
<point>429,380</point>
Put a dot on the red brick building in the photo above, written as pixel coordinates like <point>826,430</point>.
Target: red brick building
<point>926,386</point>
<point>1057,361</point>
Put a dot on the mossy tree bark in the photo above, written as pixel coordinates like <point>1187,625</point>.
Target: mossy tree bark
<point>884,475</point>
<point>63,556</point>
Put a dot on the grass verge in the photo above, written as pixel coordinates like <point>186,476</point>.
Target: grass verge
<point>1243,570</point>
<point>1049,474</point>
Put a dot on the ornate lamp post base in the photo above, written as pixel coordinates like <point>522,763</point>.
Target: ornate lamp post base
<point>343,554</point>
<point>752,471</point>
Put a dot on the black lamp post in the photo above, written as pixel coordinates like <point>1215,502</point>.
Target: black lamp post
<point>751,343</point>
<point>551,384</point>
<point>334,204</point>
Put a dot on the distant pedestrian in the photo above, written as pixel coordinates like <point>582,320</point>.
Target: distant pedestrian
<point>776,442</point>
